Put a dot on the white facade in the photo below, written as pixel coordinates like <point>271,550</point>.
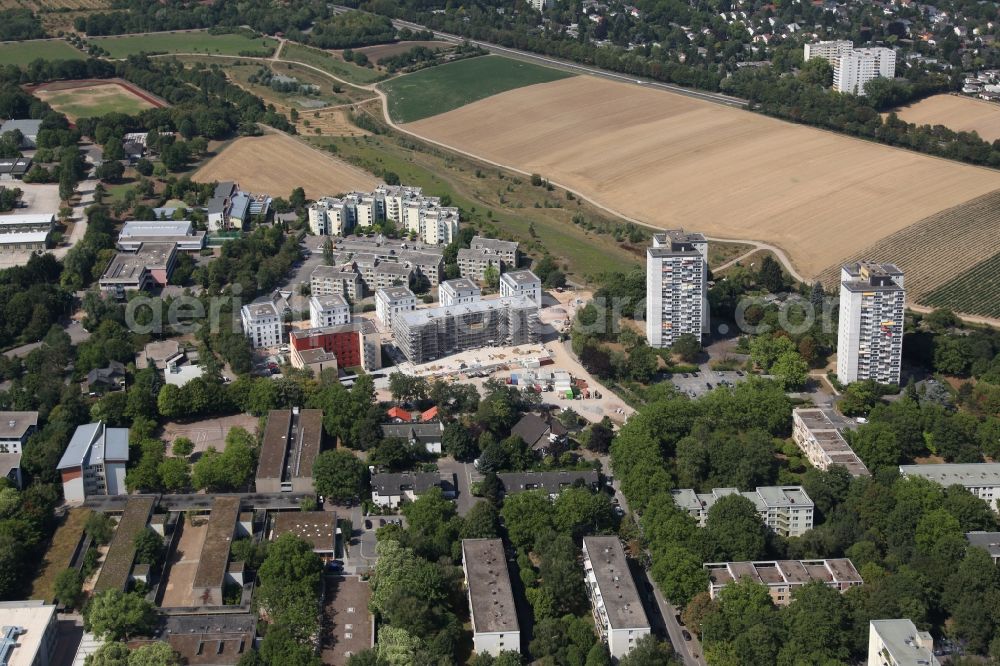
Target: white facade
<point>94,462</point>
<point>391,301</point>
<point>870,334</point>
<point>853,70</point>
<point>676,287</point>
<point>980,479</point>
<point>786,510</point>
<point>521,283</point>
<point>458,291</point>
<point>331,310</point>
<point>35,643</point>
<point>495,628</point>
<point>820,440</point>
<point>898,643</point>
<point>263,325</point>
<point>830,51</point>
<point>407,207</point>
<point>617,608</point>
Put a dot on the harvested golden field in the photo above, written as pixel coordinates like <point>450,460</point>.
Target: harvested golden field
<point>277,164</point>
<point>674,161</point>
<point>962,114</point>
<point>937,249</point>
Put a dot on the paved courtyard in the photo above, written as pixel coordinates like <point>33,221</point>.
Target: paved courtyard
<point>208,432</point>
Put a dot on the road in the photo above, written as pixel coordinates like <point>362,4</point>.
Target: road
<point>77,334</point>
<point>690,651</point>
<point>715,98</point>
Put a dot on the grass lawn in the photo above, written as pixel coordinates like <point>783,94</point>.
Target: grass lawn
<point>438,89</point>
<point>60,550</point>
<point>497,203</point>
<point>329,63</point>
<point>23,53</point>
<point>185,42</point>
<point>95,101</point>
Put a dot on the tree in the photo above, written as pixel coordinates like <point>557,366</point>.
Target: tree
<point>148,548</point>
<point>642,363</point>
<point>649,651</point>
<point>770,276</point>
<point>491,277</point>
<point>182,447</point>
<point>734,530</point>
<point>281,647</point>
<point>115,615</point>
<point>600,437</point>
<point>407,388</point>
<point>111,171</point>
<point>458,442</point>
<point>817,627</point>
<point>679,574</point>
<point>765,350</point>
<point>687,346</point>
<point>68,588</point>
<point>578,511</point>
<point>99,527</point>
<point>111,653</point>
<point>393,454</point>
<point>790,370</point>
<point>481,522</point>
<point>526,515</point>
<point>288,586</point>
<point>175,474</point>
<point>157,653</point>
<point>340,476</point>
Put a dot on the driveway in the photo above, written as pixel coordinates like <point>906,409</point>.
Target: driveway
<point>463,482</point>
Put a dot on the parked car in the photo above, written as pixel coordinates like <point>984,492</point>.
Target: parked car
<point>368,524</point>
<point>334,567</point>
<point>686,634</point>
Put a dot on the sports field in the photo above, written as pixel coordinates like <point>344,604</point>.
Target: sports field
<point>439,89</point>
<point>93,101</point>
<point>196,41</point>
<point>277,164</point>
<point>23,53</point>
<point>962,114</point>
<point>674,161</point>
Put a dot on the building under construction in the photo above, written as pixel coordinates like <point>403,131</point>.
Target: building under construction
<point>426,335</point>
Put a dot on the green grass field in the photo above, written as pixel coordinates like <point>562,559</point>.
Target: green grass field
<point>973,292</point>
<point>23,53</point>
<point>95,101</point>
<point>438,89</point>
<point>329,63</point>
<point>185,42</point>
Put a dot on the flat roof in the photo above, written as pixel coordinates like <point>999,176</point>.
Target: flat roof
<point>23,219</point>
<point>205,640</point>
<point>494,244</point>
<point>614,580</point>
<point>127,266</point>
<point>988,541</point>
<point>972,475</point>
<point>27,126</point>
<point>317,527</point>
<point>156,228</point>
<point>274,444</point>
<point>33,617</point>
<point>460,284</point>
<point>16,237</point>
<point>520,278</point>
<point>309,438</point>
<point>121,553</point>
<point>392,294</point>
<point>490,593</point>
<point>14,425</point>
<point>906,645</point>
<point>776,572</point>
<point>257,310</point>
<point>420,317</point>
<point>211,571</point>
<point>329,301</point>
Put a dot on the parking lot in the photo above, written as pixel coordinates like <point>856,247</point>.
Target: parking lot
<point>698,383</point>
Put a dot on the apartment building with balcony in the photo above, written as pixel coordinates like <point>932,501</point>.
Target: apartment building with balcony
<point>980,479</point>
<point>676,287</point>
<point>786,510</point>
<point>899,643</point>
<point>821,442</point>
<point>870,331</point>
<point>783,577</point>
<point>618,612</point>
<point>495,628</point>
<point>328,310</point>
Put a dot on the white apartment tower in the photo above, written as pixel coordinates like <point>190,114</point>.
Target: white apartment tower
<point>870,336</point>
<point>521,283</point>
<point>853,68</point>
<point>458,291</point>
<point>415,213</point>
<point>392,301</point>
<point>676,287</point>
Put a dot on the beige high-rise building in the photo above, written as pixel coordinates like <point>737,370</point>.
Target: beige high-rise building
<point>870,334</point>
<point>676,287</point>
